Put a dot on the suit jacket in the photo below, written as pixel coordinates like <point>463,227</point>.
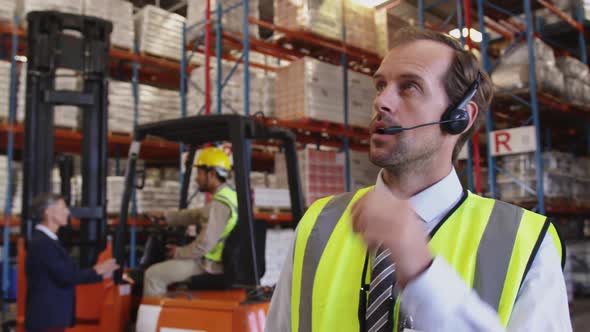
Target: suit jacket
<point>51,280</point>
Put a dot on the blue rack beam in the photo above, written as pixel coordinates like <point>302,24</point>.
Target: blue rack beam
<point>534,103</point>
<point>9,156</point>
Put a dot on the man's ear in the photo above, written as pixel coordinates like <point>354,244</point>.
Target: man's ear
<point>472,110</point>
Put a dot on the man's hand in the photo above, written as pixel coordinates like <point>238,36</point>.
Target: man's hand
<point>384,220</point>
<point>106,268</point>
<point>170,250</point>
<point>157,217</point>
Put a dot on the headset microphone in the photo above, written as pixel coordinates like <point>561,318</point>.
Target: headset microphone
<point>397,129</point>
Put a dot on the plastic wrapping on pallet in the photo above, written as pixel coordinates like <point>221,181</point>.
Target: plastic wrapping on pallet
<point>16,189</point>
<point>581,190</point>
<point>523,165</point>
<point>159,32</point>
<point>575,91</point>
<point>23,7</point>
<point>305,89</point>
<point>574,68</point>
<point>232,20</point>
<point>386,25</point>
<point>519,55</point>
<point>360,25</point>
<point>321,173</point>
<point>581,167</point>
<point>389,21</point>
<point>549,78</point>
<point>555,186</point>
<point>323,17</point>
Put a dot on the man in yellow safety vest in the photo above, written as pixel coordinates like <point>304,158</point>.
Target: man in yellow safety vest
<point>218,218</point>
<point>417,252</point>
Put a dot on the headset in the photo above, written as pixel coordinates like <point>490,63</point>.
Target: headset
<point>453,121</point>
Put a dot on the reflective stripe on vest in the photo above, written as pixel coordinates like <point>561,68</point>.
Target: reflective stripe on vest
<point>227,196</point>
<point>489,243</point>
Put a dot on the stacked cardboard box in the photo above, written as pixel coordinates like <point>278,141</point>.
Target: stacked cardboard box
<point>232,20</point>
<point>156,104</point>
<point>322,173</point>
<point>120,106</point>
<point>363,173</point>
<point>359,21</point>
<point>123,34</point>
<point>7,10</point>
<point>323,17</point>
<point>306,89</point>
<point>64,115</point>
<point>23,7</point>
<point>159,32</point>
<point>120,13</point>
<point>4,89</point>
<point>232,100</point>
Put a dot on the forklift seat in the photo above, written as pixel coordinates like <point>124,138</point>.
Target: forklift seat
<point>236,263</point>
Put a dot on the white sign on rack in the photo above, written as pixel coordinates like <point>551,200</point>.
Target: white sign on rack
<point>512,141</point>
<point>509,141</point>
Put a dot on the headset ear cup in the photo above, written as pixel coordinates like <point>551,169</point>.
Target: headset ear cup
<point>456,127</point>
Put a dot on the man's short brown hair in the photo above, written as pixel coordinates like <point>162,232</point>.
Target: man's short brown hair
<point>461,73</point>
<point>42,202</point>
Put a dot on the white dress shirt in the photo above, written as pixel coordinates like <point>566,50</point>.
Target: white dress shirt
<point>439,300</point>
<point>47,231</point>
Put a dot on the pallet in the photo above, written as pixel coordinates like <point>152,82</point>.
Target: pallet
<point>71,129</point>
<point>159,57</point>
<point>120,134</point>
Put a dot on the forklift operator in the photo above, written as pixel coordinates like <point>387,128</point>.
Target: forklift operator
<point>217,219</point>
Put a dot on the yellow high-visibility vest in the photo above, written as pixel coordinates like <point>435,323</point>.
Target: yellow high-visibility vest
<point>489,243</point>
<point>227,196</point>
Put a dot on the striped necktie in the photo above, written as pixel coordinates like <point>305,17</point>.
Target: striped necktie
<point>379,310</point>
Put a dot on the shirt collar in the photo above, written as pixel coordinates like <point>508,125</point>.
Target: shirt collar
<point>47,231</point>
<point>435,201</point>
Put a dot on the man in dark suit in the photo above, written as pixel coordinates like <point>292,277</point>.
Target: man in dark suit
<point>51,273</point>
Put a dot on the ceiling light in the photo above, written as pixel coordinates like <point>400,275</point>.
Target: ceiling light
<point>475,35</point>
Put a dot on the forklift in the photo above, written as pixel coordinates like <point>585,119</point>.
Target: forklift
<point>238,303</point>
<point>80,43</point>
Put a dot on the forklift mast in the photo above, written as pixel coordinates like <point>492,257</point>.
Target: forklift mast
<point>195,131</point>
<point>81,43</point>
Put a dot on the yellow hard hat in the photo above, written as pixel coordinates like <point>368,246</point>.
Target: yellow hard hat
<point>214,158</point>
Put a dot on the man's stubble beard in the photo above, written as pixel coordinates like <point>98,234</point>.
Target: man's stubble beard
<point>405,159</point>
